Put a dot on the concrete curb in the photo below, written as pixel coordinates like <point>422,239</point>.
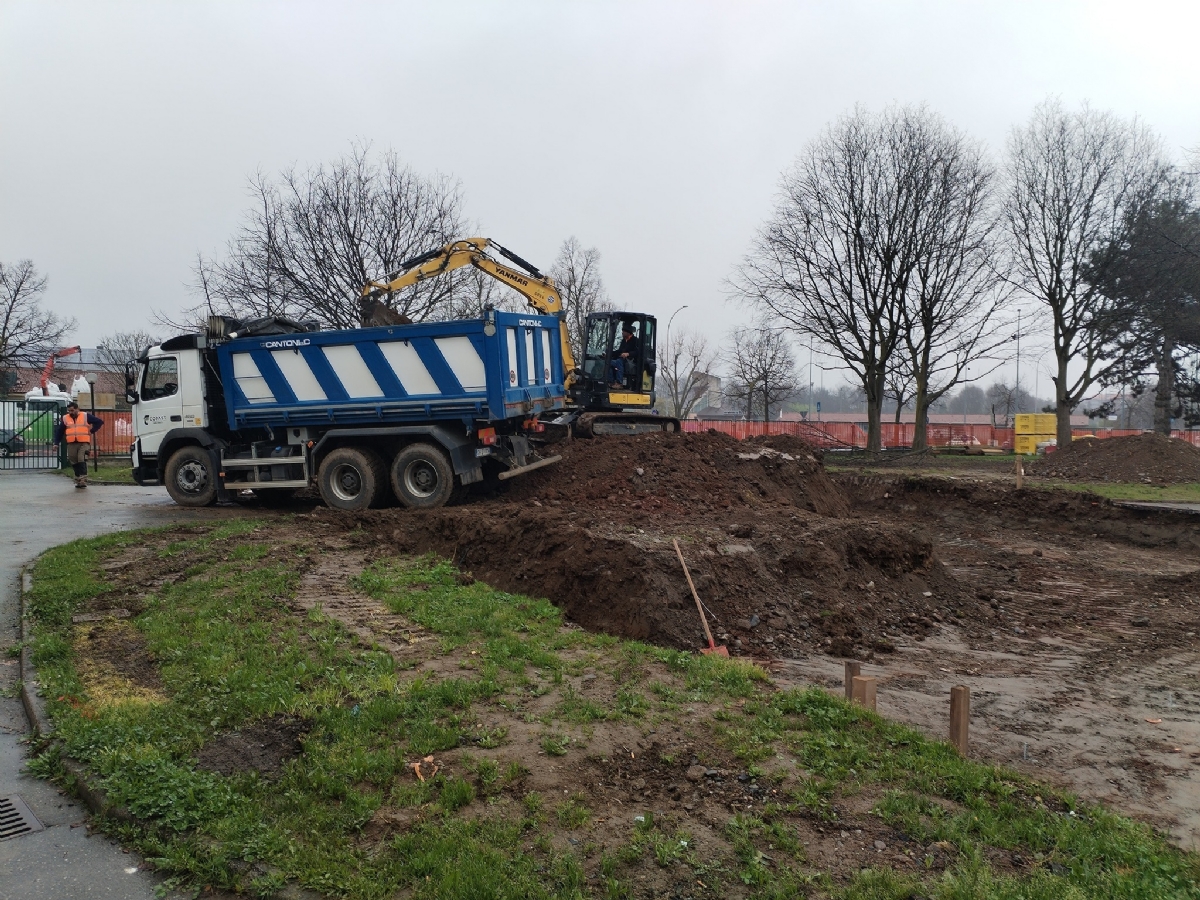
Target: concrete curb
<point>35,710</point>
<point>93,797</point>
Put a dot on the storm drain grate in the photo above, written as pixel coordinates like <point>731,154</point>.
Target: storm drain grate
<point>16,819</point>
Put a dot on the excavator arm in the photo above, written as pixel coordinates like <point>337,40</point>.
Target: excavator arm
<point>537,289</point>
<point>49,368</point>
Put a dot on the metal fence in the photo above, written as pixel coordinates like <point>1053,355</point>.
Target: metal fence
<point>27,434</point>
<point>850,436</point>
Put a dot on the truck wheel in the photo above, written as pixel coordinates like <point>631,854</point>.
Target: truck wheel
<point>352,478</point>
<point>191,478</point>
<point>422,477</point>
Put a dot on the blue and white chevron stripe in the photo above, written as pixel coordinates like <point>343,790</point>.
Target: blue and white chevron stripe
<point>436,370</point>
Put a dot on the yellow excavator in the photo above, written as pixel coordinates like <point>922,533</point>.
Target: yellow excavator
<point>611,390</point>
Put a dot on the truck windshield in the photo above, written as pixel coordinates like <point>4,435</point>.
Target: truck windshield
<point>161,378</point>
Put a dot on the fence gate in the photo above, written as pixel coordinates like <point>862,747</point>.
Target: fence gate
<point>27,434</point>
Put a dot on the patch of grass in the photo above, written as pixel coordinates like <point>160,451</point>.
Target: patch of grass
<point>232,651</point>
<point>1173,493</point>
<point>555,744</point>
<point>455,794</point>
<point>516,631</point>
<point>579,710</point>
<point>572,813</point>
<point>631,704</point>
<point>110,471</point>
<point>488,773</point>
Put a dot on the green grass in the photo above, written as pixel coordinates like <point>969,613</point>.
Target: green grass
<point>1174,493</point>
<point>232,651</point>
<point>117,471</point>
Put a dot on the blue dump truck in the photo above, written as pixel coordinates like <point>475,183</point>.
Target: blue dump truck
<point>417,411</point>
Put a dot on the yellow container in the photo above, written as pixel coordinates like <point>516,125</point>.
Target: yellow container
<point>1028,443</point>
<point>1037,423</point>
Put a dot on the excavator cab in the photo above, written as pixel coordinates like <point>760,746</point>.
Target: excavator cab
<point>611,387</point>
<point>618,361</point>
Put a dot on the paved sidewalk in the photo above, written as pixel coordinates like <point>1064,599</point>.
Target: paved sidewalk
<point>39,511</point>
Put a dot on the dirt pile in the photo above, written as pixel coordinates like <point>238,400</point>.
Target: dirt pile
<point>671,475</point>
<point>1140,458</point>
<point>763,529</point>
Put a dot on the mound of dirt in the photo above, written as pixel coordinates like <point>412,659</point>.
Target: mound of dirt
<point>762,527</point>
<point>1140,458</point>
<point>682,474</point>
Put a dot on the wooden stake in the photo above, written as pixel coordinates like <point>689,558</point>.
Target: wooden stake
<point>1020,472</point>
<point>960,717</point>
<point>863,691</point>
<point>852,669</point>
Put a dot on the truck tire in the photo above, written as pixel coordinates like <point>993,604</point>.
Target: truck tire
<point>422,477</point>
<point>191,478</point>
<point>352,478</point>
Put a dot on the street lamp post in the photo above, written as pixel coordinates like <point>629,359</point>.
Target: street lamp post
<point>1018,391</point>
<point>91,380</point>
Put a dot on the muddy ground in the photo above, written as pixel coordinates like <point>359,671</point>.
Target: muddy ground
<point>1074,621</point>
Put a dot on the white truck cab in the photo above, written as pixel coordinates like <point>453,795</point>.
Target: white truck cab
<point>168,394</point>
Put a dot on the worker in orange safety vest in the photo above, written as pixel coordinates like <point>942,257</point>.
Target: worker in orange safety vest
<point>76,430</point>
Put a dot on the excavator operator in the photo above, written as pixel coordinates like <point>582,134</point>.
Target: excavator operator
<point>625,357</point>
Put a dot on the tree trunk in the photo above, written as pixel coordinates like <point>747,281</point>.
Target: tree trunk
<point>874,390</point>
<point>1165,389</point>
<point>1062,405</point>
<point>921,426</point>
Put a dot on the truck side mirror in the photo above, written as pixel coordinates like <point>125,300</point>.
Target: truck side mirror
<point>131,394</point>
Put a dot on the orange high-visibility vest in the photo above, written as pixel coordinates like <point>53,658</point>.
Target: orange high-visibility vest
<point>78,431</point>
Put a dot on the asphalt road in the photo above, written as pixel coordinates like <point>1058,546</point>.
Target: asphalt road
<point>63,862</point>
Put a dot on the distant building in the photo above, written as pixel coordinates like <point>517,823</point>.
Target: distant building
<point>711,398</point>
<point>66,370</point>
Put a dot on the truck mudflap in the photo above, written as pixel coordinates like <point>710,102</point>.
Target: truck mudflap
<point>145,473</point>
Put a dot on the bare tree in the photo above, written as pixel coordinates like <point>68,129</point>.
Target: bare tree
<point>684,368</point>
<point>115,350</point>
<point>313,238</point>
<point>762,370</point>
<point>477,290</point>
<point>836,258</point>
<point>1005,400</point>
<point>951,310</point>
<point>28,333</point>
<point>576,272</point>
<point>900,389</point>
<point>1073,180</point>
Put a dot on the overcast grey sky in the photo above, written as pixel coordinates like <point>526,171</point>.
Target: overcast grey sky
<point>654,131</point>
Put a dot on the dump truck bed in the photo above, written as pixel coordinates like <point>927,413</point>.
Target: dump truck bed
<point>506,366</point>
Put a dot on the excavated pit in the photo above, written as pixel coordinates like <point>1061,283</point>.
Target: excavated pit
<point>764,530</point>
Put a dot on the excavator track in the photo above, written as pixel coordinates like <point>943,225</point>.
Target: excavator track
<point>597,424</point>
